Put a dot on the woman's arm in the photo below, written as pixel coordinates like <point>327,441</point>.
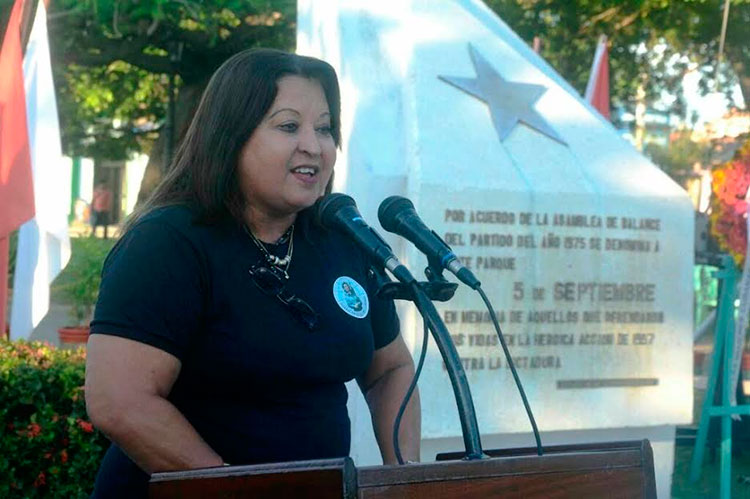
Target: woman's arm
<point>127,384</point>
<point>384,385</point>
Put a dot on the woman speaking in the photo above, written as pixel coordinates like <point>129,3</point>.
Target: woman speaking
<point>227,321</point>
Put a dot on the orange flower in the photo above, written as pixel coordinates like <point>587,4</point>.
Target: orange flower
<point>40,480</point>
<point>63,456</point>
<point>85,425</point>
<point>33,430</point>
<point>730,184</point>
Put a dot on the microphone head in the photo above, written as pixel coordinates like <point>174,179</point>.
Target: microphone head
<point>390,209</point>
<point>326,208</point>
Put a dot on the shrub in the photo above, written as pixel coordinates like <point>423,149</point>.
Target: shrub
<point>48,447</point>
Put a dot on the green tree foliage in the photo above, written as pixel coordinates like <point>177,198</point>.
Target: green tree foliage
<point>109,111</point>
<point>678,157</point>
<point>112,60</point>
<point>652,42</point>
<point>112,57</point>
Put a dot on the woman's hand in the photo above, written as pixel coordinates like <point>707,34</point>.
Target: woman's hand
<point>127,384</point>
<point>384,385</point>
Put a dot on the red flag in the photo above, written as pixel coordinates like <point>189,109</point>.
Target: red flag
<point>16,184</point>
<point>597,89</point>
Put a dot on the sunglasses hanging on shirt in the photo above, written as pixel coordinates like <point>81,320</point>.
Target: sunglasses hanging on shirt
<point>271,280</point>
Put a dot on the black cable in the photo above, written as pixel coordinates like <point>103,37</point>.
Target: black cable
<point>486,300</point>
<point>402,409</point>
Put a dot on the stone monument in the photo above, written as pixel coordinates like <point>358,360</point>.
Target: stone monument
<point>584,247</point>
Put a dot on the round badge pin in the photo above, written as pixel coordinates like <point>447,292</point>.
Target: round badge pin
<point>351,297</point>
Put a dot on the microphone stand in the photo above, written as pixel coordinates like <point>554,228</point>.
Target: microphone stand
<point>420,294</point>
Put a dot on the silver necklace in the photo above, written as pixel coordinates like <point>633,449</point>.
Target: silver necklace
<point>281,263</point>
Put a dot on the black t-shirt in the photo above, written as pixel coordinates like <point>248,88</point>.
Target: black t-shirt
<point>255,383</point>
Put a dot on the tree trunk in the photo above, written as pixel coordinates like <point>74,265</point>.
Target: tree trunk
<point>639,133</point>
<point>743,75</point>
<point>745,89</point>
<point>186,103</point>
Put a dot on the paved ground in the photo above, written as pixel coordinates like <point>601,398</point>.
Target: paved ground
<point>57,317</point>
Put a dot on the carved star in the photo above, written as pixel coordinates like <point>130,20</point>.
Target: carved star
<point>509,102</point>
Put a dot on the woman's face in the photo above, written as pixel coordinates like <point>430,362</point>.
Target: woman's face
<point>285,165</point>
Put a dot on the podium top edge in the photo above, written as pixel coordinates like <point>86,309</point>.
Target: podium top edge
<point>619,445</point>
<point>345,464</point>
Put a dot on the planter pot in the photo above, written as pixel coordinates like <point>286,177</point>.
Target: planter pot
<point>74,334</point>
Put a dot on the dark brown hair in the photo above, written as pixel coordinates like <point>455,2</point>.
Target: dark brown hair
<point>203,173</point>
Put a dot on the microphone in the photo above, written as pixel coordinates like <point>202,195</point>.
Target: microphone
<point>397,215</point>
<point>339,212</point>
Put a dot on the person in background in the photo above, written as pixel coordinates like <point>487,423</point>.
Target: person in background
<point>221,334</point>
<point>101,207</point>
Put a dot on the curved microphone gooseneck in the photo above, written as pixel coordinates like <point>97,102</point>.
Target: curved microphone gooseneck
<point>456,373</point>
<point>409,392</point>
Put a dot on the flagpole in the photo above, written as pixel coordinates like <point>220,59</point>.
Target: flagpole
<point>723,36</point>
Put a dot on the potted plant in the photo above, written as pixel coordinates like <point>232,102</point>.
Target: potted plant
<point>79,286</point>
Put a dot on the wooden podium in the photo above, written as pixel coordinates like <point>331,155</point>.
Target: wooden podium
<point>612,470</point>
